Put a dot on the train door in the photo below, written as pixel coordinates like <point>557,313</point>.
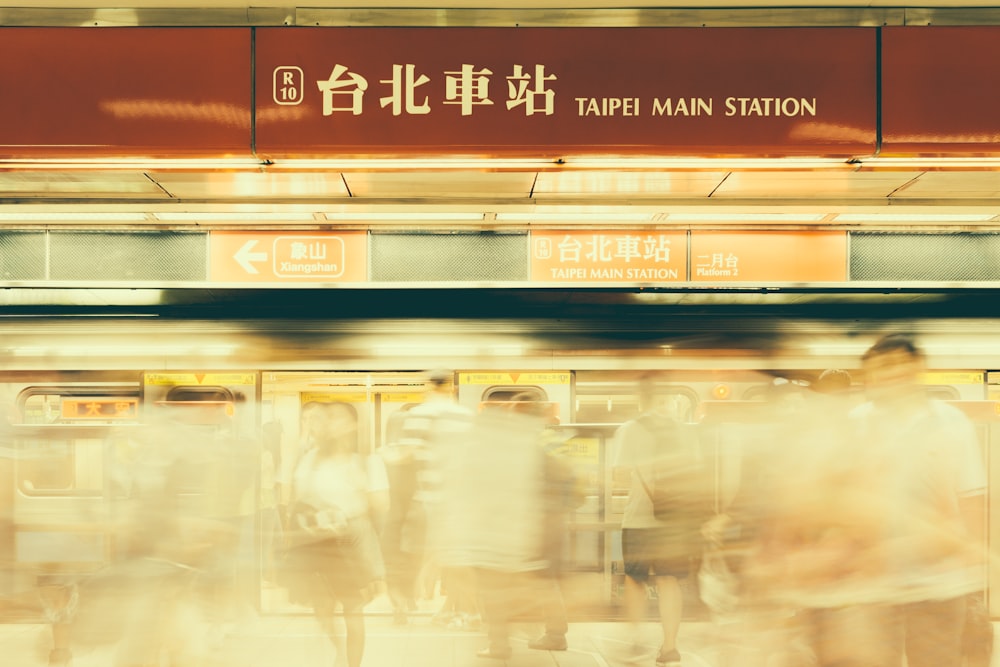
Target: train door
<point>202,435</point>
<point>731,425</point>
<point>377,402</point>
<point>60,493</point>
<point>579,449</point>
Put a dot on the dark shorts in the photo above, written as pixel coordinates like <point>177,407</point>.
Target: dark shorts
<point>663,552</point>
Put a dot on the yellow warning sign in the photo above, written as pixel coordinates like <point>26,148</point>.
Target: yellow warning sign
<point>403,398</point>
<point>200,379</point>
<point>529,378</point>
<point>953,377</point>
<point>327,397</point>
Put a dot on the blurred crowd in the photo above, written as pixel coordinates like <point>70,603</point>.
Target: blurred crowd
<point>840,525</point>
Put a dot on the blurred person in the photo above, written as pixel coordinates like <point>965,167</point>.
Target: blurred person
<point>433,434</point>
<point>405,525</point>
<point>664,551</point>
<point>169,538</point>
<point>290,459</point>
<point>334,556</point>
<point>494,523</point>
<point>924,456</point>
<point>269,516</point>
<point>531,588</point>
<point>225,472</point>
<point>564,493</point>
<point>875,535</point>
<point>774,532</point>
<point>833,382</point>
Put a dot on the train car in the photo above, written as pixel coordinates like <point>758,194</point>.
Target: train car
<point>84,407</point>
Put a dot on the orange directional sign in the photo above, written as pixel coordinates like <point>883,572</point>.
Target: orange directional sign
<point>288,257</point>
<point>608,256</point>
<point>779,256</point>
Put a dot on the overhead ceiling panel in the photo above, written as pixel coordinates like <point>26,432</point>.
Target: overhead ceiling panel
<point>46,183</point>
<point>250,184</point>
<point>812,184</point>
<point>941,184</point>
<point>440,184</point>
<point>632,183</point>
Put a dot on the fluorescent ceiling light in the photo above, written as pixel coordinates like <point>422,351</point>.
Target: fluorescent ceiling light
<point>452,350</point>
<point>569,163</point>
<point>744,217</point>
<point>235,216</point>
<point>71,216</point>
<point>574,217</point>
<point>715,163</point>
<point>915,217</point>
<point>930,162</point>
<point>407,164</point>
<point>47,296</point>
<point>407,217</point>
<point>146,164</point>
<point>152,350</point>
<point>603,162</point>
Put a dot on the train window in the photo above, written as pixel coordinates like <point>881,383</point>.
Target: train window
<point>784,387</point>
<point>73,404</point>
<point>186,394</point>
<point>778,387</point>
<point>394,423</point>
<point>527,399</point>
<point>505,393</point>
<point>943,392</point>
<point>199,405</point>
<point>51,459</point>
<point>616,407</point>
<point>58,465</point>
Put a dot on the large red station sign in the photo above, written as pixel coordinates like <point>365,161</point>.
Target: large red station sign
<point>941,90</point>
<point>324,92</point>
<point>150,92</point>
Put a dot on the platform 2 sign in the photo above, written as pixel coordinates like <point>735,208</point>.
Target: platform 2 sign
<point>608,256</point>
<point>807,257</point>
<point>288,257</point>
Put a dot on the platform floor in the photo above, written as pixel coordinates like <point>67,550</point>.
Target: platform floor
<point>297,640</point>
<point>280,640</point>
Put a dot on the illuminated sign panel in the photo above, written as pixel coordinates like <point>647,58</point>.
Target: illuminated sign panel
<point>762,256</point>
<point>144,92</point>
<point>608,256</point>
<point>325,92</point>
<point>939,90</point>
<point>99,408</point>
<point>292,257</point>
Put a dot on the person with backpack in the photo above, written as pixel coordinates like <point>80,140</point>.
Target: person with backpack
<point>662,549</point>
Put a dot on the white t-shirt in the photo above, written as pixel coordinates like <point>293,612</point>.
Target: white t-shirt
<point>891,530</point>
<point>339,481</point>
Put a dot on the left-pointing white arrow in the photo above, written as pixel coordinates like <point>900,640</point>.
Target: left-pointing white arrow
<point>245,255</point>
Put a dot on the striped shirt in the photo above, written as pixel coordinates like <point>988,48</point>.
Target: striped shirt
<point>431,431</point>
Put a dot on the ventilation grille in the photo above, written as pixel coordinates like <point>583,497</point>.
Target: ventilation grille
<point>133,256</point>
<point>22,256</point>
<point>406,257</point>
<point>925,257</point>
